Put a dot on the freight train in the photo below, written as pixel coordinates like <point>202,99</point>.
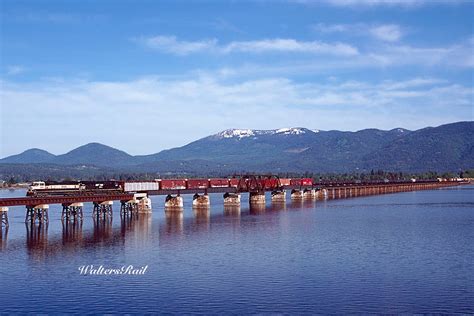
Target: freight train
<point>247,183</point>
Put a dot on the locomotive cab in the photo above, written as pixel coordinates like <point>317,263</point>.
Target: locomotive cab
<point>38,185</point>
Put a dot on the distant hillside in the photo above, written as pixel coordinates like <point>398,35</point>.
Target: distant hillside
<point>95,154</point>
<point>448,147</point>
<point>33,155</point>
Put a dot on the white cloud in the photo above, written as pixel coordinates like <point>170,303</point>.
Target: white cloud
<point>384,32</point>
<point>390,33</point>
<point>290,45</point>
<point>387,55</point>
<point>163,113</point>
<point>457,55</point>
<point>334,28</point>
<point>15,70</point>
<point>170,44</point>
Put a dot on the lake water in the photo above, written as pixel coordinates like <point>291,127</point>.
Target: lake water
<point>409,252</point>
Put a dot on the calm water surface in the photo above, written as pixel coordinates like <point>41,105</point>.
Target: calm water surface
<point>407,252</point>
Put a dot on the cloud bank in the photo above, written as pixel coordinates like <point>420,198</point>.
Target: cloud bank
<point>170,44</point>
<point>179,111</point>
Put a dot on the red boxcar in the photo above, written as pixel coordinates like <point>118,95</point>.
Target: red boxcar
<point>285,181</point>
<point>295,182</point>
<point>234,182</point>
<point>270,183</point>
<point>198,183</point>
<point>173,184</point>
<point>218,183</point>
<point>301,182</point>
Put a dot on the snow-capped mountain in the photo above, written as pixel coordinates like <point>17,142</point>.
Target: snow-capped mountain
<point>446,147</point>
<point>243,133</point>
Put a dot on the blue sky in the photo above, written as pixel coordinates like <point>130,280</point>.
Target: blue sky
<point>144,76</point>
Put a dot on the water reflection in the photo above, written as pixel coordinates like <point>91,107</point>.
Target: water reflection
<point>278,206</point>
<point>37,240</point>
<point>232,211</point>
<point>297,203</point>
<point>102,229</point>
<point>174,223</point>
<point>3,237</point>
<point>256,209</point>
<point>137,225</point>
<point>311,203</point>
<point>72,232</point>
<point>202,218</point>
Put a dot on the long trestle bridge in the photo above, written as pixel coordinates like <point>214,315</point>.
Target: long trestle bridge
<point>134,196</point>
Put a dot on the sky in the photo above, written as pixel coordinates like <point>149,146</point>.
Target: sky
<point>144,76</point>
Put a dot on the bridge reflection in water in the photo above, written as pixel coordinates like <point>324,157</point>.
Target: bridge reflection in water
<point>137,227</point>
<point>3,237</point>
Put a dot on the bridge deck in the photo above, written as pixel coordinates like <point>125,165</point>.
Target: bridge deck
<point>32,201</point>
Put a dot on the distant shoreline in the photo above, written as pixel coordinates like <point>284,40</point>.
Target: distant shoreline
<point>16,187</point>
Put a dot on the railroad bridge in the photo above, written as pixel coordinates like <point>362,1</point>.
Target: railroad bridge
<point>134,196</point>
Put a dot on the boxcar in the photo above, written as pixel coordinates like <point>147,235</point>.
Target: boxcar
<point>302,182</point>
<point>136,186</point>
<point>218,183</point>
<point>197,183</point>
<point>173,184</point>
<point>234,183</point>
<point>270,183</point>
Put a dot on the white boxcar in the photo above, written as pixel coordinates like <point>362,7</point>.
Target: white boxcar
<point>141,186</point>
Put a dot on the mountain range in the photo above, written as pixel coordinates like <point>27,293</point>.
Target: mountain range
<point>447,147</point>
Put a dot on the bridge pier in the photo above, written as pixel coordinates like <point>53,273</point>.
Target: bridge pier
<point>4,216</point>
<point>257,198</point>
<point>296,194</point>
<point>279,196</point>
<point>144,205</point>
<point>73,210</point>
<point>231,200</point>
<point>309,194</point>
<point>103,208</point>
<point>128,208</point>
<point>38,212</point>
<point>174,203</point>
<point>201,201</point>
<point>322,194</point>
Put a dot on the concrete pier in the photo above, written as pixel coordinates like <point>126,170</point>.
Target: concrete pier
<point>174,203</point>
<point>144,205</point>
<point>201,201</point>
<point>309,194</point>
<point>4,216</point>
<point>279,196</point>
<point>257,198</point>
<point>231,200</point>
<point>296,194</point>
<point>322,194</point>
<point>141,203</point>
<point>72,211</point>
